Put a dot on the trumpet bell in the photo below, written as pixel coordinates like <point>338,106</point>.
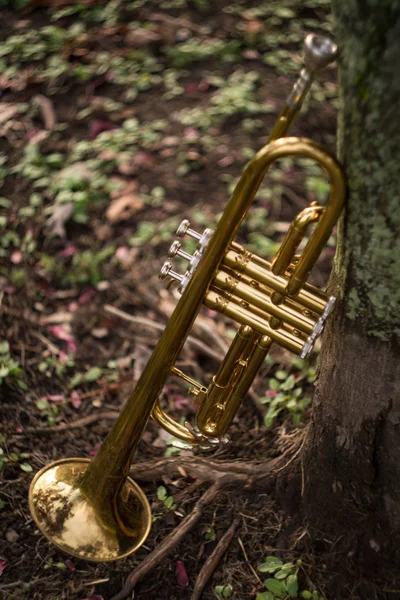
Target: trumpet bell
<point>81,527</point>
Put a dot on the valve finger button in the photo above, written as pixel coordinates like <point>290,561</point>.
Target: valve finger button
<point>175,250</point>
<point>184,229</point>
<point>166,271</point>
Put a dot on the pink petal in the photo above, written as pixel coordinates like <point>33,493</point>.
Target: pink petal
<point>3,564</point>
<point>69,250</point>
<point>271,393</point>
<point>181,575</point>
<point>55,398</point>
<point>99,126</point>
<point>70,565</point>
<point>19,430</point>
<point>61,333</point>
<point>145,160</point>
<point>94,450</point>
<point>16,257</point>
<point>75,399</point>
<point>86,296</point>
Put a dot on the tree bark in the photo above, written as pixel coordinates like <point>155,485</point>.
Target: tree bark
<point>352,455</point>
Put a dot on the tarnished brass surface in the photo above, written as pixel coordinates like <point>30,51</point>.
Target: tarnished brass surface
<point>74,524</point>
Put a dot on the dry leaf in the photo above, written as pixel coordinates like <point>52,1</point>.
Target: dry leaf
<point>124,208</point>
<point>60,215</point>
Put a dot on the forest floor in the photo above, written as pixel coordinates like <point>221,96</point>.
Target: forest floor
<point>117,120</point>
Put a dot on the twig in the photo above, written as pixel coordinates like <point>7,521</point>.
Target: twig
<point>151,324</point>
<point>248,562</point>
<point>75,424</point>
<point>213,560</point>
<point>52,347</point>
<point>173,539</point>
<point>47,109</point>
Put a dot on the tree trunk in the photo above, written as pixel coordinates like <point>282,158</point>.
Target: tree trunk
<point>352,457</point>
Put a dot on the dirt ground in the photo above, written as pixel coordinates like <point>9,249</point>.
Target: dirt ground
<point>119,119</point>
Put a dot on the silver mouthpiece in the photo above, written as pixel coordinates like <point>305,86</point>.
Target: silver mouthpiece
<point>320,51</point>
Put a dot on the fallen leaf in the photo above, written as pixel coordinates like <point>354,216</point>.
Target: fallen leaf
<point>98,126</point>
<point>123,208</point>
<point>122,186</point>
<point>3,564</point>
<point>86,296</point>
<point>60,215</point>
<point>12,535</point>
<point>141,37</point>
<point>16,257</point>
<point>181,575</point>
<point>54,398</point>
<point>70,565</point>
<point>7,111</point>
<point>47,110</point>
<point>144,160</point>
<point>75,399</point>
<point>62,332</point>
<point>100,332</point>
<point>58,317</point>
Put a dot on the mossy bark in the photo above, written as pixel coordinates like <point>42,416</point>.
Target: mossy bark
<point>352,456</point>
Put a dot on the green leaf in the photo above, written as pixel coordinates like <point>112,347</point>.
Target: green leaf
<point>282,375</point>
<point>276,587</point>
<point>289,383</point>
<point>274,384</point>
<point>270,565</point>
<point>42,404</point>
<point>2,504</point>
<point>169,502</point>
<point>26,467</point>
<point>265,596</point>
<point>292,585</point>
<point>161,493</point>
<point>282,574</point>
<point>4,347</point>
<point>306,594</point>
<point>93,374</point>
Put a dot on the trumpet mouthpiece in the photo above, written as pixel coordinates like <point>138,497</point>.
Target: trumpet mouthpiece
<point>320,51</point>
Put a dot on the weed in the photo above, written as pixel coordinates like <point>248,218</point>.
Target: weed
<point>10,370</point>
<point>49,410</point>
<point>285,394</point>
<point>194,50</point>
<point>223,591</point>
<point>13,458</point>
<point>283,582</point>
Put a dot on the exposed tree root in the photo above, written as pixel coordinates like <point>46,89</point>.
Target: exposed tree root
<point>224,475</point>
<point>173,539</point>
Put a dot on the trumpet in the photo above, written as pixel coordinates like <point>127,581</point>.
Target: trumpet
<point>91,509</point>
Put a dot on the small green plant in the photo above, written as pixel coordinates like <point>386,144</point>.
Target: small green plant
<point>283,582</point>
<point>223,591</point>
<point>50,564</point>
<point>168,501</point>
<point>48,410</point>
<point>10,370</point>
<point>285,394</point>
<point>13,458</point>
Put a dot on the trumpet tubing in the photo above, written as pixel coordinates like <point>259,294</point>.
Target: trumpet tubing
<point>92,509</point>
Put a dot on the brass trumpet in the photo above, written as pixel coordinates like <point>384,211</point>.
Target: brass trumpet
<point>92,509</point>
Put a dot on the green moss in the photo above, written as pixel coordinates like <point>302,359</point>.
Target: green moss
<point>369,261</point>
